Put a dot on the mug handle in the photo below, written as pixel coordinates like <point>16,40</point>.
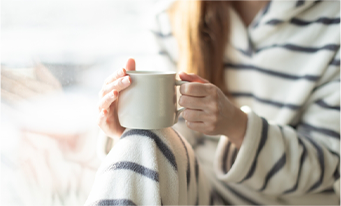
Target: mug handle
<point>178,112</point>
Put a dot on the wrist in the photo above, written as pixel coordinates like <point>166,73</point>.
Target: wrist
<point>238,124</point>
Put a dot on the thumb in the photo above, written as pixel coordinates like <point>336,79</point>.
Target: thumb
<point>130,66</point>
<point>192,78</point>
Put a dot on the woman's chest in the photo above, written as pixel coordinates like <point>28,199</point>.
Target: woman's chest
<point>275,77</point>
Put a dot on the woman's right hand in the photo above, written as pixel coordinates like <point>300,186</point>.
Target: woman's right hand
<point>108,119</point>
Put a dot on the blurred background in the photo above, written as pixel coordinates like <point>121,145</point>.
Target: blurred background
<point>55,55</point>
<point>78,35</point>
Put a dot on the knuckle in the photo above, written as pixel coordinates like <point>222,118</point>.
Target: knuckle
<point>214,107</point>
<point>187,88</point>
<point>184,114</point>
<point>214,119</point>
<point>183,88</point>
<point>208,86</point>
<point>116,84</point>
<point>116,75</point>
<point>188,114</point>
<point>110,99</point>
<point>211,89</point>
<point>107,100</point>
<point>112,77</point>
<point>211,128</point>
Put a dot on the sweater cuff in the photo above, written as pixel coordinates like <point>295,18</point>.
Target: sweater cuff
<point>245,155</point>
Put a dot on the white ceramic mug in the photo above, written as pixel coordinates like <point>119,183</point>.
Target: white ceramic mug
<point>150,101</point>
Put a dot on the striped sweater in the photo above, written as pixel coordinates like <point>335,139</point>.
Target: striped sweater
<point>285,69</point>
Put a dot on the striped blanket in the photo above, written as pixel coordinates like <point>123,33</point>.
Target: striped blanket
<point>151,168</point>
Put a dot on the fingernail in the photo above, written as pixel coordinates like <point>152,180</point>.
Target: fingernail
<point>121,72</point>
<point>126,81</point>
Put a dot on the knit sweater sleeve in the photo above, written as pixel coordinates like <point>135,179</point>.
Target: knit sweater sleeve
<point>290,159</point>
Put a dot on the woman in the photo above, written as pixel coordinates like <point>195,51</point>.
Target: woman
<point>281,59</point>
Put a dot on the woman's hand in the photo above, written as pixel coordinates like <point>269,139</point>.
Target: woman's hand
<point>209,111</point>
<point>108,119</point>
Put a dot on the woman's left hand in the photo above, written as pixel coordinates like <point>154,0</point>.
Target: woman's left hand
<point>209,111</point>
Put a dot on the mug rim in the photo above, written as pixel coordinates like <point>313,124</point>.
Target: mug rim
<point>151,72</point>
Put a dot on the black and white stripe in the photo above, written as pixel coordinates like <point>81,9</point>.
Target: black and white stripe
<point>302,158</point>
<point>162,146</point>
<point>271,72</point>
<point>137,168</point>
<point>264,137</point>
<point>110,202</point>
<point>150,174</point>
<point>301,22</point>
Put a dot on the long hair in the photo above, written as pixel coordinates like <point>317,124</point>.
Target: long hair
<point>201,29</point>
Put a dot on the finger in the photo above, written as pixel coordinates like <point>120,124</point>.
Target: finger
<point>107,100</point>
<point>192,78</point>
<point>101,119</point>
<point>194,89</point>
<point>114,76</point>
<point>194,115</point>
<point>192,102</point>
<point>117,85</point>
<point>102,122</point>
<point>120,73</point>
<point>196,126</point>
<point>131,65</point>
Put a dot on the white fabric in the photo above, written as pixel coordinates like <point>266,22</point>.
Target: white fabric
<point>150,168</point>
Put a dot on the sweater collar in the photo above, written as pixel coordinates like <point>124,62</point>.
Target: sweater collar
<point>265,23</point>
